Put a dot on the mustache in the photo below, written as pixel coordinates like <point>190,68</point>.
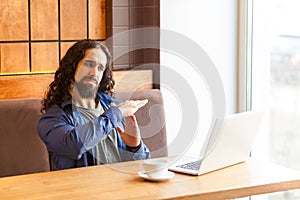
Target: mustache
<point>90,78</point>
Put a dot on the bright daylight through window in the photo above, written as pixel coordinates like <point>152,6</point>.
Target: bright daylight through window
<point>278,86</point>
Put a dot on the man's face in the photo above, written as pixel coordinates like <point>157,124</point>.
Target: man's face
<point>89,72</point>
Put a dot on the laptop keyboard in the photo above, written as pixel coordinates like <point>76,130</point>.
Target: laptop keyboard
<point>191,166</point>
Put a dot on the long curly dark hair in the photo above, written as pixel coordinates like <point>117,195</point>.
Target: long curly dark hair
<point>59,89</point>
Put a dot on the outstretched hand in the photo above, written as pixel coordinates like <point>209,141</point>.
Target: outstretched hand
<point>131,135</point>
<point>129,107</point>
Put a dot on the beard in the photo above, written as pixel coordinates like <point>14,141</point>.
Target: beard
<point>86,91</point>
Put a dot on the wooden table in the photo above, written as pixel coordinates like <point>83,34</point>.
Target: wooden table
<point>119,181</point>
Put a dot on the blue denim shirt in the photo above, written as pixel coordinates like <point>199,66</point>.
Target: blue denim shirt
<point>71,140</point>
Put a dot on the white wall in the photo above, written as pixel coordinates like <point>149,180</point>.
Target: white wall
<point>213,25</point>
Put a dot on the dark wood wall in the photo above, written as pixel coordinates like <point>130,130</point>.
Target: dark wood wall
<point>125,15</point>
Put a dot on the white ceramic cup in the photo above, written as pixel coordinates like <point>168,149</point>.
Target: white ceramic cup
<point>154,167</point>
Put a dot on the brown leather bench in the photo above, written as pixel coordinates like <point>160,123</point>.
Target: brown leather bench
<point>23,152</point>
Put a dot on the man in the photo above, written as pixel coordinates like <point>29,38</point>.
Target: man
<point>82,124</point>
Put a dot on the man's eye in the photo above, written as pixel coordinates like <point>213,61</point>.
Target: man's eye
<point>100,68</point>
<point>89,64</point>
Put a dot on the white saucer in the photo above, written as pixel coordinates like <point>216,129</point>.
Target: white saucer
<point>162,178</point>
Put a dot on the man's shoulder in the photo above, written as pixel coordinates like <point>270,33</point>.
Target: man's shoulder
<point>64,108</point>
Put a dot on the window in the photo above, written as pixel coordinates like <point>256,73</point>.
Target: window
<point>275,85</point>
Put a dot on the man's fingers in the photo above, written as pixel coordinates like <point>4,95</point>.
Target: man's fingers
<point>120,130</point>
<point>141,103</point>
<point>129,107</point>
<point>132,118</point>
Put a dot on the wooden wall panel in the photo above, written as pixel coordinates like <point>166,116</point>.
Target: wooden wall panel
<point>64,46</point>
<point>44,56</point>
<point>45,23</point>
<point>14,20</point>
<point>133,80</point>
<point>73,19</point>
<point>97,19</point>
<point>14,58</point>
<point>46,46</point>
<point>44,19</point>
<point>34,86</point>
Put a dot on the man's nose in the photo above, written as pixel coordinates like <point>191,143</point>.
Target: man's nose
<point>94,71</point>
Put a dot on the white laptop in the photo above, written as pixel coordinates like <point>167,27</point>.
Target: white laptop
<point>229,143</point>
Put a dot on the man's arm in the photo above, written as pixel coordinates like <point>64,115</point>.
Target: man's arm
<point>65,136</point>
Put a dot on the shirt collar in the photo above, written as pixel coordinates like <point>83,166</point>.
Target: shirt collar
<point>104,99</point>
